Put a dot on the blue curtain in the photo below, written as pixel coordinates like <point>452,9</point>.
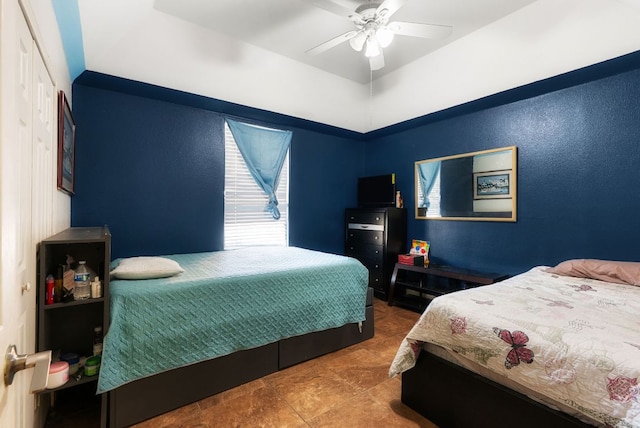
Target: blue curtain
<point>264,151</point>
<point>428,171</point>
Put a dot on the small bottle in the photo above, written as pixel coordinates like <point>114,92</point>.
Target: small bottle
<point>399,202</point>
<point>50,289</point>
<point>97,340</point>
<point>57,296</point>
<point>96,288</point>
<point>81,289</point>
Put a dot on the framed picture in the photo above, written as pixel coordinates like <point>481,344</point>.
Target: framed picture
<point>66,146</point>
<point>492,185</point>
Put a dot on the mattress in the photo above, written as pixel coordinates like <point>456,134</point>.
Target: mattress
<point>224,302</point>
<point>570,343</point>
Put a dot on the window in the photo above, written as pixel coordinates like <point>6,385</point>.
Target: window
<point>434,197</point>
<point>246,223</point>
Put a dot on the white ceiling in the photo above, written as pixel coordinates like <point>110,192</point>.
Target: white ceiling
<point>252,52</point>
<point>291,27</point>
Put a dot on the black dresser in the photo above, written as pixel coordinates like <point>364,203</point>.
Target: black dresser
<point>376,236</point>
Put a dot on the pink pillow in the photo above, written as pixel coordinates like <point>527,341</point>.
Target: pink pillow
<point>604,270</point>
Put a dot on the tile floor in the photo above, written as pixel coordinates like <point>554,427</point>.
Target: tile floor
<point>349,387</point>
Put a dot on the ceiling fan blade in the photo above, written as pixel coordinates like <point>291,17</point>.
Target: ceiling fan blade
<point>389,7</point>
<point>376,62</point>
<point>332,43</point>
<point>338,9</point>
<point>428,31</point>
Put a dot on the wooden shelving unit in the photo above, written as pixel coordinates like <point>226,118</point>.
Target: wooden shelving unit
<point>414,287</point>
<point>68,327</point>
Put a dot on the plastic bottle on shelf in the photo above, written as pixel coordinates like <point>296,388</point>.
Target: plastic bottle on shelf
<point>96,288</point>
<point>97,340</point>
<point>50,289</point>
<point>81,289</point>
<point>57,295</point>
<point>399,200</point>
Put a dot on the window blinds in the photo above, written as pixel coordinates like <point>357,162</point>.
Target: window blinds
<point>246,223</point>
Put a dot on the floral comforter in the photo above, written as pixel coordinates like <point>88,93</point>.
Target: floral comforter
<point>574,340</point>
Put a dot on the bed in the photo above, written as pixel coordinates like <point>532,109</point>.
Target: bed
<point>226,318</point>
<point>550,347</point>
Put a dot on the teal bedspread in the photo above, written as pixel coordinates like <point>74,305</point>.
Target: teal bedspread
<point>224,302</point>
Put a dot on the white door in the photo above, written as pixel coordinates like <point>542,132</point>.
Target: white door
<point>44,153</point>
<point>18,108</point>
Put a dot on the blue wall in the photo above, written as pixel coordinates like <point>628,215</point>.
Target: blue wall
<point>578,140</point>
<point>150,164</point>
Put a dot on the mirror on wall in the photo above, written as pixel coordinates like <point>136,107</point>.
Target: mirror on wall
<point>471,186</point>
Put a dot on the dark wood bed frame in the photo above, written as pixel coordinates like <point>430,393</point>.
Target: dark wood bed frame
<point>152,396</point>
<point>451,396</point>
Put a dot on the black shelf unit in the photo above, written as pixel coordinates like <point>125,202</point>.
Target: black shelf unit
<point>68,327</point>
<point>413,287</point>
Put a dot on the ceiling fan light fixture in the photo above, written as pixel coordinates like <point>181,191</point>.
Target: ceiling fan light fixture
<point>384,36</point>
<point>372,48</point>
<point>357,42</point>
<point>373,31</point>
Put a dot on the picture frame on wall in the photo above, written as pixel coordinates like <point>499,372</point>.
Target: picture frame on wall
<point>66,146</point>
<point>492,185</point>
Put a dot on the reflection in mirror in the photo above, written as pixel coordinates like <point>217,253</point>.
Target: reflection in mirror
<point>471,186</point>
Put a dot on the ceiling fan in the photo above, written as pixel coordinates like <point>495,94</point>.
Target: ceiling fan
<point>373,30</point>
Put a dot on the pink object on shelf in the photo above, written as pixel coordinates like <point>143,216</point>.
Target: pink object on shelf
<point>58,374</point>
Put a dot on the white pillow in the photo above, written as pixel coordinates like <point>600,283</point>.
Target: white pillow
<point>146,268</point>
